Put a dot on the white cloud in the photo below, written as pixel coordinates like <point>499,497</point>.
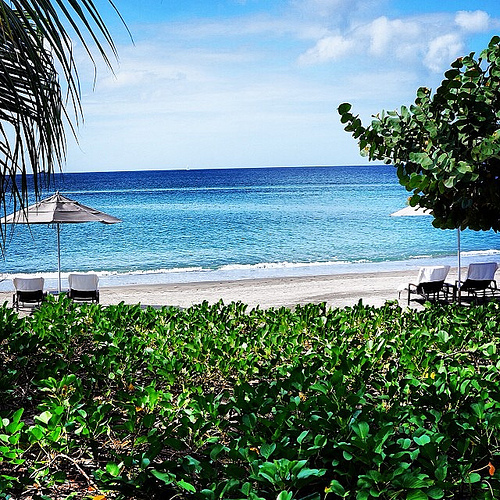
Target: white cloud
<point>383,38</point>
<point>328,48</point>
<point>387,35</point>
<point>442,50</point>
<point>430,41</point>
<point>476,22</point>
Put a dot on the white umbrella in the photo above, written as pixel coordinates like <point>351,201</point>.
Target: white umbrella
<point>57,209</point>
<point>410,211</point>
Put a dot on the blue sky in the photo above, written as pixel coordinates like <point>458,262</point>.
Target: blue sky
<point>249,83</point>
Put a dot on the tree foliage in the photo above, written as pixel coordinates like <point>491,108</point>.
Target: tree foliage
<point>35,52</point>
<point>446,146</point>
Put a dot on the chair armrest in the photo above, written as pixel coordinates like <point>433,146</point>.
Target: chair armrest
<point>410,285</point>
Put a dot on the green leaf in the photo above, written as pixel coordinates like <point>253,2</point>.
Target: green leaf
<point>206,493</point>
<point>443,336</point>
<point>37,432</point>
<point>217,450</point>
<point>422,440</point>
<point>113,469</point>
<point>166,477</point>
<point>404,443</point>
<point>362,429</point>
<point>362,495</point>
<point>344,108</point>
<point>302,436</point>
<point>415,181</point>
<point>186,486</point>
<point>285,495</point>
<point>319,386</point>
<point>16,417</point>
<point>474,477</point>
<point>451,74</point>
<point>336,488</point>
<point>441,473</point>
<point>43,417</point>
<point>305,473</point>
<point>450,182</point>
<point>435,493</point>
<point>266,450</point>
<point>417,495</point>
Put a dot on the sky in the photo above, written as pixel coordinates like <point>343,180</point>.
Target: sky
<point>252,83</point>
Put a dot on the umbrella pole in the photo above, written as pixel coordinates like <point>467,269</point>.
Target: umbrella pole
<point>459,264</point>
<point>59,258</point>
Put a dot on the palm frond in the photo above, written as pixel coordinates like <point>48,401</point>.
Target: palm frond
<point>33,42</point>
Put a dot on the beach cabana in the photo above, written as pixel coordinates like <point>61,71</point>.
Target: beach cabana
<point>57,210</point>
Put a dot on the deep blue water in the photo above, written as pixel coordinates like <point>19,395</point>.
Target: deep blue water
<point>237,223</point>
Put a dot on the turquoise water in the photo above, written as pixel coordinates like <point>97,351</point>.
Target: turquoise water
<point>194,225</point>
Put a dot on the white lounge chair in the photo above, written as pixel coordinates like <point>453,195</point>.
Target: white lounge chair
<point>480,281</point>
<point>83,287</point>
<point>430,284</point>
<point>28,291</point>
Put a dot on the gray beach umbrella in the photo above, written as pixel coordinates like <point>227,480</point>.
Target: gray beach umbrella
<point>418,211</point>
<point>57,209</point>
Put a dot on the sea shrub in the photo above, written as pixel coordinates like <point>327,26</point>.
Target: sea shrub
<point>219,401</point>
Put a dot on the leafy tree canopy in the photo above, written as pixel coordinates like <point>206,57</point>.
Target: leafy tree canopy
<point>446,146</point>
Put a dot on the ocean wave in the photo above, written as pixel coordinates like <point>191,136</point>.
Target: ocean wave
<point>140,272</point>
<point>248,268</point>
<point>251,271</point>
<point>280,265</point>
<point>481,252</point>
<point>104,274</point>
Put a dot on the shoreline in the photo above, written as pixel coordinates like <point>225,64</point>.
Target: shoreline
<point>242,272</point>
<point>336,290</point>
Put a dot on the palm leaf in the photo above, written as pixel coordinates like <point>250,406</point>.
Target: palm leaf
<point>33,41</point>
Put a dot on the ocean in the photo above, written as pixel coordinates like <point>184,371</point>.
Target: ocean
<point>203,225</point>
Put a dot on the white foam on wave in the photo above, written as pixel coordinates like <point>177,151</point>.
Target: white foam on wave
<point>151,271</point>
<point>280,265</point>
<point>481,252</point>
<point>251,271</point>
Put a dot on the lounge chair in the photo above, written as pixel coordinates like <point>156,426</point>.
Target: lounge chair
<point>83,287</point>
<point>28,291</point>
<point>479,282</point>
<point>430,284</point>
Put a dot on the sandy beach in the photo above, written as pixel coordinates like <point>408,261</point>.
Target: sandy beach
<point>336,290</point>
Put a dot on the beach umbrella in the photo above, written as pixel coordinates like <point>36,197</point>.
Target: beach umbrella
<point>57,209</point>
<point>410,211</point>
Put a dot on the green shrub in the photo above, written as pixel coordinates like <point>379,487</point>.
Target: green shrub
<point>219,402</point>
